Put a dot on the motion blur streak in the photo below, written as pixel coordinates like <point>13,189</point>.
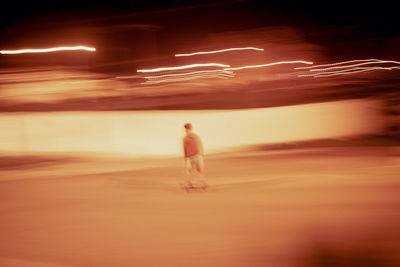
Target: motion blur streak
<point>200,76</point>
<point>343,68</point>
<point>128,77</point>
<point>49,85</point>
<point>348,71</point>
<point>270,64</point>
<point>355,65</point>
<point>191,73</point>
<point>160,132</point>
<point>46,50</point>
<point>184,67</point>
<point>338,63</point>
<point>219,51</point>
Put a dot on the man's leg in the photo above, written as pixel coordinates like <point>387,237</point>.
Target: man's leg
<point>200,168</point>
<point>189,170</point>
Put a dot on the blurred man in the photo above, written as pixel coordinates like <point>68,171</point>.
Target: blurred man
<point>193,150</point>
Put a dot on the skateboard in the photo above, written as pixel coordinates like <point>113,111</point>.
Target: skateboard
<point>187,187</point>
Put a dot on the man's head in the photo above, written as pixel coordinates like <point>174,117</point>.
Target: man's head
<point>188,127</point>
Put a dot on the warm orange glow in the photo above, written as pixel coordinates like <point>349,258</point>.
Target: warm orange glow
<point>51,84</point>
<point>46,50</point>
<point>184,67</point>
<point>159,132</point>
<point>219,51</point>
<point>299,171</point>
<point>270,64</point>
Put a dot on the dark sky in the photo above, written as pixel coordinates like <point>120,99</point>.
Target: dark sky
<point>380,16</point>
<point>327,23</point>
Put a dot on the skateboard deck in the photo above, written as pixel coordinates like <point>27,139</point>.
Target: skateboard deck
<point>194,187</point>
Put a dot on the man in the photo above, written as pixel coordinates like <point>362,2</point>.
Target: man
<point>193,151</point>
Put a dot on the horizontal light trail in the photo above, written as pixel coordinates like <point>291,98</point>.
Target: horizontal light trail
<point>354,65</point>
<point>338,63</point>
<point>180,79</point>
<point>270,64</point>
<point>47,50</point>
<point>219,51</point>
<point>348,67</point>
<point>213,72</point>
<point>184,67</point>
<point>347,71</point>
<point>334,73</point>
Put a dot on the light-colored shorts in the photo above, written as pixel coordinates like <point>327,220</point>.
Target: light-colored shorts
<point>196,164</point>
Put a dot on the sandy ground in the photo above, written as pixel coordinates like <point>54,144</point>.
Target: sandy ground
<point>317,207</point>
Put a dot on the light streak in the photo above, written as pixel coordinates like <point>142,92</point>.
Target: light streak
<point>354,65</point>
<point>339,68</point>
<point>339,63</point>
<point>201,76</point>
<point>184,67</point>
<point>334,73</point>
<point>219,51</point>
<point>46,50</point>
<point>352,71</point>
<point>215,72</point>
<point>346,72</point>
<point>270,64</point>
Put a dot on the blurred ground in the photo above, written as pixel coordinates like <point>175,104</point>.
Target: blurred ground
<point>302,207</point>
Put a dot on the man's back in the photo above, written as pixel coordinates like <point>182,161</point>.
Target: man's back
<point>192,145</point>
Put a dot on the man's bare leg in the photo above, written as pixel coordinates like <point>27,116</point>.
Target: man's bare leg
<point>189,171</point>
<point>200,170</point>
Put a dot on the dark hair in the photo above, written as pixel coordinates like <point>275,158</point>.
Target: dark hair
<point>188,126</point>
